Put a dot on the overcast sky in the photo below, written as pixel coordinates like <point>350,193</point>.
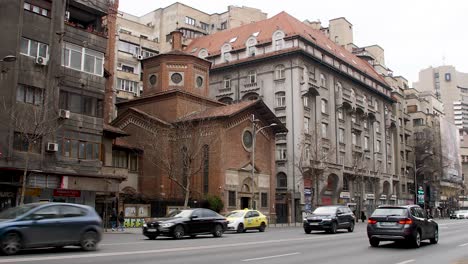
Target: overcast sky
<point>415,34</point>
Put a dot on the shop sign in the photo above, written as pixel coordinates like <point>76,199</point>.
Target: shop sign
<point>443,198</point>
<point>393,197</point>
<point>67,193</point>
<point>345,195</point>
<point>383,197</point>
<point>137,210</point>
<point>7,194</point>
<point>33,192</point>
<point>369,196</point>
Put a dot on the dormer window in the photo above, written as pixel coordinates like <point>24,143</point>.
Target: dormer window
<point>225,53</point>
<point>251,49</point>
<point>203,53</point>
<point>278,40</point>
<point>252,77</point>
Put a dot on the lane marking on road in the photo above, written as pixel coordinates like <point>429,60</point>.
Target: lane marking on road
<point>169,250</point>
<point>406,261</point>
<point>462,245</point>
<point>270,257</point>
<point>126,243</point>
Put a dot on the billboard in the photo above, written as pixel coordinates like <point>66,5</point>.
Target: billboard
<point>450,142</point>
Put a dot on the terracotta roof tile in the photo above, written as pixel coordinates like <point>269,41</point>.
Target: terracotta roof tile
<point>221,111</point>
<point>291,27</point>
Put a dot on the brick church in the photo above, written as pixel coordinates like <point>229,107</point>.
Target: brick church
<point>192,147</point>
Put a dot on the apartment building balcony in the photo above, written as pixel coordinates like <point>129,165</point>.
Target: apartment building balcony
<point>346,94</point>
<point>356,126</point>
<point>357,148</point>
<point>251,87</point>
<point>408,131</point>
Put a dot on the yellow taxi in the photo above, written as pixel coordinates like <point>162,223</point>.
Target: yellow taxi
<point>247,219</point>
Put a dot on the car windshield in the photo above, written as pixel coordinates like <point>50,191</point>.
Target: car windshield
<point>236,214</point>
<point>180,213</point>
<point>14,212</point>
<point>325,210</point>
<point>390,212</point>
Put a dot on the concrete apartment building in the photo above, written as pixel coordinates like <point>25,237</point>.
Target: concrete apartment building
<point>148,35</point>
<point>59,76</point>
<point>337,108</point>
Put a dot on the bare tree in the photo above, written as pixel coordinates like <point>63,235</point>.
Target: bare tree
<point>31,125</point>
<point>178,151</point>
<point>314,156</point>
<point>359,167</point>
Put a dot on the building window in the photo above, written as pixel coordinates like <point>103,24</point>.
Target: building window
<point>281,180</point>
<point>418,122</point>
<point>324,106</point>
<point>353,118</point>
<point>323,80</point>
<point>281,153</point>
<point>33,48</point>
<point>366,143</point>
<point>264,199</point>
<point>36,9</point>
<point>73,148</point>
<point>81,104</point>
<point>340,114</point>
<point>377,146</point>
<point>280,99</point>
<point>204,26</point>
<point>223,25</point>
<point>206,168</point>
<point>119,158</point>
<point>345,184</point>
<point>83,59</point>
<point>23,141</point>
<point>448,77</point>
<point>129,47</point>
<point>306,125</point>
<point>227,83</point>
<point>400,122</point>
<point>376,105</point>
<point>341,158</point>
<point>190,21</point>
<point>133,160</point>
<point>279,41</point>
<point>324,130</point>
<point>252,77</point>
<point>364,123</point>
<point>29,94</point>
<point>305,101</point>
<point>377,126</point>
<point>341,133</point>
<point>126,68</point>
<point>354,138</point>
<point>127,85</point>
<point>232,198</point>
<point>280,72</point>
<point>247,139</point>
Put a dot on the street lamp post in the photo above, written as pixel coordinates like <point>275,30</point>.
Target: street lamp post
<point>254,136</point>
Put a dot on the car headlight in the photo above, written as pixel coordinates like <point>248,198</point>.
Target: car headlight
<point>165,225</point>
<point>145,225</point>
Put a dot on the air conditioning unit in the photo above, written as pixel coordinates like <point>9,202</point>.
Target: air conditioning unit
<point>41,61</point>
<point>52,147</point>
<point>65,114</point>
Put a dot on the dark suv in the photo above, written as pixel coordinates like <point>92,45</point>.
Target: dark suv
<point>330,218</point>
<point>401,223</point>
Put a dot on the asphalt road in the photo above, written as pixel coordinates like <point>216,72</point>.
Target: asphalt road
<point>276,245</point>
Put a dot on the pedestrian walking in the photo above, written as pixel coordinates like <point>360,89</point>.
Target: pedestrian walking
<point>363,216</point>
<point>121,220</point>
<point>113,220</point>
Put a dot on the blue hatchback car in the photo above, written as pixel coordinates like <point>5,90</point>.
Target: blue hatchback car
<point>49,225</point>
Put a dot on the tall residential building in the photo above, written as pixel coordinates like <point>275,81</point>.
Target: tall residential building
<point>340,147</point>
<point>57,85</point>
<point>148,35</point>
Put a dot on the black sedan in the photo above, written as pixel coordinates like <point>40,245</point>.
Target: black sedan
<point>49,225</point>
<point>401,223</point>
<point>188,222</point>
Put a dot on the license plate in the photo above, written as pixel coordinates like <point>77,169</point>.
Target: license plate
<point>313,223</point>
<point>387,223</point>
<point>152,230</point>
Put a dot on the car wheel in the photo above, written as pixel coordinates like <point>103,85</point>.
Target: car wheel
<point>435,239</point>
<point>89,241</point>
<point>417,239</point>
<point>218,231</point>
<point>333,228</point>
<point>152,237</point>
<point>262,227</point>
<point>11,243</point>
<point>374,242</point>
<point>178,232</point>
<point>351,227</point>
<point>240,228</point>
<point>307,230</point>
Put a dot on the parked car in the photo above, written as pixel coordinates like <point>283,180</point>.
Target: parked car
<point>401,223</point>
<point>453,215</point>
<point>49,225</point>
<point>243,220</point>
<point>187,222</point>
<point>330,219</point>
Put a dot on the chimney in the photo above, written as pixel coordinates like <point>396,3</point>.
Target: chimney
<point>176,40</point>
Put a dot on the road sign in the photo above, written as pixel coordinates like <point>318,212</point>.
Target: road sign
<point>420,195</point>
